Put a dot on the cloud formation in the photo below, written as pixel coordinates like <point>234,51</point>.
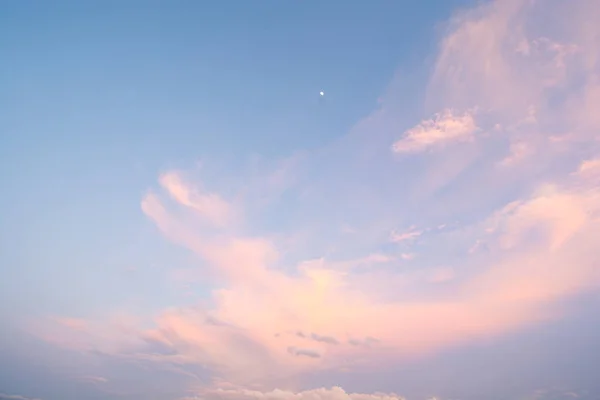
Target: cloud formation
<point>401,237</point>
<point>5,396</point>
<point>209,206</point>
<point>94,379</point>
<point>516,139</point>
<point>335,393</point>
<point>443,129</point>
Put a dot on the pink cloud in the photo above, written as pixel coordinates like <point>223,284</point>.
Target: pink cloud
<point>335,393</point>
<point>76,324</point>
<point>5,396</point>
<point>404,236</point>
<point>590,170</point>
<point>540,247</point>
<point>444,128</point>
<point>518,152</point>
<point>208,205</point>
<point>524,274</point>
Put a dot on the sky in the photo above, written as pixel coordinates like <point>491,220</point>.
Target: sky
<point>184,216</point>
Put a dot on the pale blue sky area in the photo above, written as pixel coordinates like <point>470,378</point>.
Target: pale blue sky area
<point>98,97</point>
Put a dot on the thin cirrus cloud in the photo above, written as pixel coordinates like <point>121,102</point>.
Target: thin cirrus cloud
<point>405,236</point>
<point>94,379</point>
<point>208,205</point>
<point>528,88</point>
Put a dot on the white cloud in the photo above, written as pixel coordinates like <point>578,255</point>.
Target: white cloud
<point>444,128</point>
<point>4,396</point>
<point>335,393</point>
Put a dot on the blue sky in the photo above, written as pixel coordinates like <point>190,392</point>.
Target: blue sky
<point>183,215</point>
<point>98,99</point>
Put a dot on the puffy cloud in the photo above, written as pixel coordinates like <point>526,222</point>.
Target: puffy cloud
<point>335,393</point>
<point>444,128</point>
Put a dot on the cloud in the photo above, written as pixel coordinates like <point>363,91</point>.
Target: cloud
<point>401,237</point>
<point>542,250</point>
<point>543,394</point>
<point>525,189</point>
<point>335,393</point>
<point>5,396</point>
<point>589,166</point>
<point>443,129</point>
<point>518,151</point>
<point>590,170</point>
<point>208,205</point>
<point>368,341</point>
<point>324,339</point>
<point>77,324</point>
<point>303,352</point>
<point>94,379</point>
<point>500,74</point>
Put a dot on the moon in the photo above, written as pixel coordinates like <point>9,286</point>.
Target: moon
<point>321,93</point>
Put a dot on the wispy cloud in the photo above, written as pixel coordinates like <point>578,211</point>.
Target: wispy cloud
<point>443,129</point>
<point>303,352</point>
<point>260,301</point>
<point>324,339</point>
<point>544,394</point>
<point>208,205</point>
<point>397,237</point>
<point>532,200</point>
<point>93,379</point>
